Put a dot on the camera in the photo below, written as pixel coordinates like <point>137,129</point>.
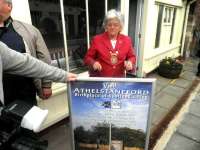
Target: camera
<point>12,135</point>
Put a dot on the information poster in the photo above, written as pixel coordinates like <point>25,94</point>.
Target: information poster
<point>111,114</point>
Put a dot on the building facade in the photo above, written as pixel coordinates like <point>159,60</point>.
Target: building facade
<point>157,28</point>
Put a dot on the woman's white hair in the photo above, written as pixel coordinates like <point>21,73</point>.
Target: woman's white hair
<point>113,14</point>
<point>9,1</point>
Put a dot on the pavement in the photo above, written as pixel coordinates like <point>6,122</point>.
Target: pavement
<point>172,100</point>
<point>187,135</point>
<point>171,95</point>
<point>169,91</point>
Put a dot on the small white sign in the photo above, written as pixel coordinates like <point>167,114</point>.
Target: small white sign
<point>115,104</point>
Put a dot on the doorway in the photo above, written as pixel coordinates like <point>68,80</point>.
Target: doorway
<point>187,49</point>
<point>134,27</point>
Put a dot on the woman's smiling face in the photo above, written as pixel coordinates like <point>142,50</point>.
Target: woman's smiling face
<point>113,27</point>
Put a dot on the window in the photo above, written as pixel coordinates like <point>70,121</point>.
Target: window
<point>132,19</point>
<point>165,25</point>
<point>168,16</point>
<point>75,21</point>
<point>173,22</point>
<point>96,16</point>
<point>159,23</point>
<point>114,4</point>
<point>48,21</point>
<point>36,17</point>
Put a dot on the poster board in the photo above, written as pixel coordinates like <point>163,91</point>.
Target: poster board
<point>111,113</point>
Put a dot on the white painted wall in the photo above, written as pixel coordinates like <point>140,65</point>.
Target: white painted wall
<point>152,56</point>
<point>21,11</point>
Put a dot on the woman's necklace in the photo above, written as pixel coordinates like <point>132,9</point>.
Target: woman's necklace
<point>114,57</point>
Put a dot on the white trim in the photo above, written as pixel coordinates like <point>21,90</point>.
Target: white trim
<point>116,79</point>
<point>125,12</point>
<point>64,35</point>
<point>87,23</point>
<point>138,32</point>
<point>147,6</point>
<point>106,6</point>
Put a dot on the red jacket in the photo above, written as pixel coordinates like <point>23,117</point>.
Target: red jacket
<point>101,50</point>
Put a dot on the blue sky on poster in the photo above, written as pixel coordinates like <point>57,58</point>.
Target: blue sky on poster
<point>89,111</point>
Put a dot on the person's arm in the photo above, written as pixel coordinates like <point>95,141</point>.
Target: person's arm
<point>24,64</point>
<point>90,57</point>
<point>43,54</point>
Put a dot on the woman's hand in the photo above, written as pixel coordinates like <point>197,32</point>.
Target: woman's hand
<point>128,65</point>
<point>97,66</point>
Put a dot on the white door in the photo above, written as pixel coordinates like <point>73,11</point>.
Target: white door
<point>134,26</point>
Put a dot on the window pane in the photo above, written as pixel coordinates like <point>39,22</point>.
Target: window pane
<point>165,19</point>
<point>114,4</point>
<point>48,21</point>
<point>159,23</point>
<point>132,19</point>
<point>173,22</point>
<point>96,16</point>
<point>169,17</point>
<point>75,20</point>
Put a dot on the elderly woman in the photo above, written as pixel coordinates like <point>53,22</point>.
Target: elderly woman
<point>111,53</point>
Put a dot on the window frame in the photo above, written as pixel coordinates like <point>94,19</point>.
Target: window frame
<point>168,13</point>
<point>166,19</point>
